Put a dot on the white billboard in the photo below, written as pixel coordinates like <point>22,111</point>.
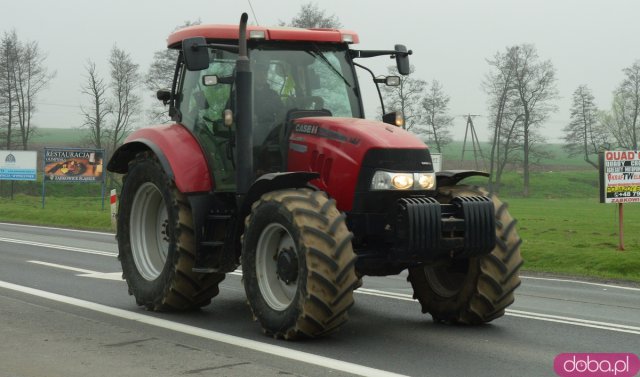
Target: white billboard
<point>18,165</point>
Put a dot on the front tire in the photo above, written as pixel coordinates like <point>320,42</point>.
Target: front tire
<point>475,290</point>
<point>156,241</point>
<point>298,264</point>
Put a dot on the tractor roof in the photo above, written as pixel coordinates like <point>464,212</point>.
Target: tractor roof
<point>230,32</point>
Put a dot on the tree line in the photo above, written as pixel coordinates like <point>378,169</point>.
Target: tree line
<point>520,87</point>
<point>23,75</point>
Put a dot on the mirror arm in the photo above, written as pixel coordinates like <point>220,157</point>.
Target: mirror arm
<point>374,81</point>
<point>174,114</point>
<point>372,53</point>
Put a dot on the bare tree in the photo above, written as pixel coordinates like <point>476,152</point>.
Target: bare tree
<point>522,90</point>
<point>311,16</point>
<point>536,88</point>
<point>626,108</point>
<point>160,76</point>
<point>125,102</point>
<point>584,135</point>
<point>8,102</point>
<point>406,98</point>
<point>499,85</point>
<point>435,104</point>
<point>95,115</point>
<point>29,77</point>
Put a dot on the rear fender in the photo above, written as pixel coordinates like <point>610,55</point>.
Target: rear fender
<point>178,151</point>
<point>452,177</point>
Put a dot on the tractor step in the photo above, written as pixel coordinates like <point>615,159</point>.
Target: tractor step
<point>210,254</point>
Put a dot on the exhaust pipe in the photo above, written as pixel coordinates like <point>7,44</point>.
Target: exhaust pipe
<point>244,126</point>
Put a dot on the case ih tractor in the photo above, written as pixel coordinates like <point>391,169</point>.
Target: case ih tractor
<point>271,165</point>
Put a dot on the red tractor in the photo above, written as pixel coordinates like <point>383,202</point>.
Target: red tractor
<point>271,165</point>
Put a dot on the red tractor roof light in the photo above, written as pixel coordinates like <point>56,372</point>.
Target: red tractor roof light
<point>230,32</point>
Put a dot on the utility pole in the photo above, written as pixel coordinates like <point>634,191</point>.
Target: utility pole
<point>475,142</point>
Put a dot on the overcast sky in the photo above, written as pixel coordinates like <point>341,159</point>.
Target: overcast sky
<point>588,41</point>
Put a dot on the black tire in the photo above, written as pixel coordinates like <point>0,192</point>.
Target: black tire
<point>475,290</point>
<point>309,293</point>
<point>157,256</point>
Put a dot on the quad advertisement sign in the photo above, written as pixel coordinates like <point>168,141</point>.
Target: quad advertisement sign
<point>620,177</point>
<point>620,182</point>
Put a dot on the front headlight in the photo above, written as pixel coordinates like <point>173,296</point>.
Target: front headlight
<point>385,180</point>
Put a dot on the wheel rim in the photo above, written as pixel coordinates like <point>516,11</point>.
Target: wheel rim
<point>446,281</point>
<point>274,239</point>
<point>149,231</point>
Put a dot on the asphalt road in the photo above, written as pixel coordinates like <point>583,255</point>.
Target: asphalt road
<point>64,311</point>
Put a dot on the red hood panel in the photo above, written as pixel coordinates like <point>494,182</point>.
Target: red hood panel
<point>335,148</point>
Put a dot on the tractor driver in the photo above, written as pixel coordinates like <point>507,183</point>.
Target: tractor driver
<point>268,106</point>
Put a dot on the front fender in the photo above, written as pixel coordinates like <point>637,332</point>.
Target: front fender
<point>178,151</point>
<point>275,181</point>
<point>452,177</point>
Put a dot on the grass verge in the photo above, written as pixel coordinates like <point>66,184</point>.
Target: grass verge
<point>578,237</point>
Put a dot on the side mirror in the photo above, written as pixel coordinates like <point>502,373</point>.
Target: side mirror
<point>402,59</point>
<point>392,81</point>
<point>210,80</point>
<point>196,53</point>
<point>164,95</point>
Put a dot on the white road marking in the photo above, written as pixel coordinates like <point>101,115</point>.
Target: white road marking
<point>84,273</point>
<point>59,247</point>
<point>105,253</point>
<point>575,321</point>
<point>270,349</point>
<point>582,282</point>
<point>523,314</point>
<point>397,296</point>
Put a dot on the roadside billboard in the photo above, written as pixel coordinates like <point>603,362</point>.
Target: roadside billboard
<point>18,165</point>
<point>73,165</point>
<point>619,177</point>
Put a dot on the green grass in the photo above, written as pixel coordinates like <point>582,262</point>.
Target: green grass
<point>59,211</point>
<point>548,184</point>
<point>578,237</point>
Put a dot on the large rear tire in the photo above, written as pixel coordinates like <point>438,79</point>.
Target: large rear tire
<point>475,290</point>
<point>298,264</point>
<point>156,241</point>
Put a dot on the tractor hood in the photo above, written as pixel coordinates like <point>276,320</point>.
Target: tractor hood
<point>357,131</point>
<point>336,148</point>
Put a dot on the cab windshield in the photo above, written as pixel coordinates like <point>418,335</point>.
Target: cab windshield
<point>290,80</point>
<point>299,71</point>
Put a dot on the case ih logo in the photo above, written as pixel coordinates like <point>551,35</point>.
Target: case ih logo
<point>10,159</point>
<point>311,129</point>
<point>308,129</point>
